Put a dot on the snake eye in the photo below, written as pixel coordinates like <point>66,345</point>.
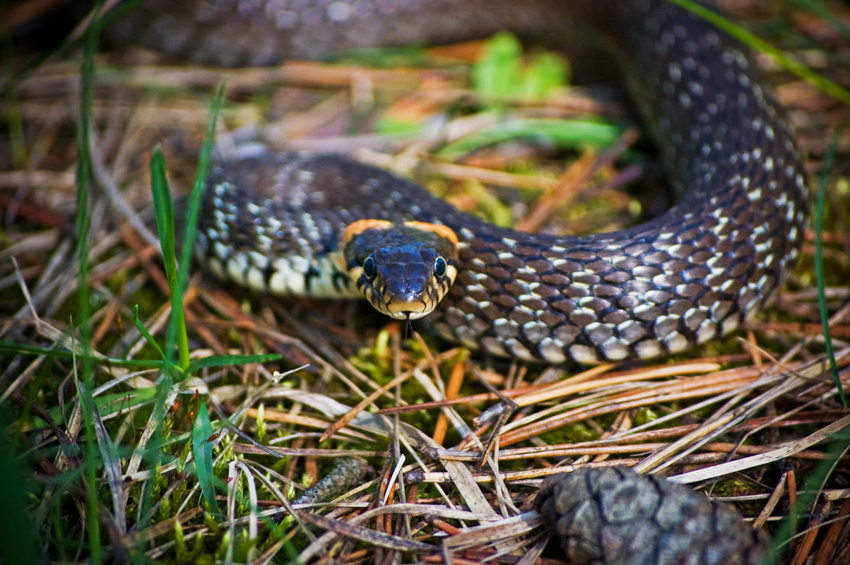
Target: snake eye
<point>369,268</point>
<point>440,267</point>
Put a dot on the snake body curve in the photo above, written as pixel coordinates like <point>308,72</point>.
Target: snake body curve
<point>683,278</point>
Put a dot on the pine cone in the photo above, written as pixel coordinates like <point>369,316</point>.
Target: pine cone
<point>616,516</point>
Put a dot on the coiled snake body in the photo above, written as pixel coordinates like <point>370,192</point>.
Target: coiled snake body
<point>683,278</point>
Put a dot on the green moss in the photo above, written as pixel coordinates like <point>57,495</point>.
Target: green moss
<point>572,433</point>
<point>645,415</point>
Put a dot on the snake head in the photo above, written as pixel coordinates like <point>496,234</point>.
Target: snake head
<point>404,270</point>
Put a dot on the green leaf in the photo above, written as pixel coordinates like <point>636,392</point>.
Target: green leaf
<point>500,72</point>
<point>202,450</point>
<point>545,72</point>
<point>497,72</point>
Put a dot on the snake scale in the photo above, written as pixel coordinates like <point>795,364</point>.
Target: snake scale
<point>683,278</point>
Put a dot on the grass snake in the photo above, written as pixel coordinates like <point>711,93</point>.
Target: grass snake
<point>683,278</point>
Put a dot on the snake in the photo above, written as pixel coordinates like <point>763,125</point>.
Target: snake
<point>276,222</point>
<point>328,226</point>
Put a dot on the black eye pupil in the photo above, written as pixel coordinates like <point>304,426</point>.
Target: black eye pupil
<point>440,267</point>
<point>369,268</point>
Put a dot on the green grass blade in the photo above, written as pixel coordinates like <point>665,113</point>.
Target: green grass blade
<point>177,328</point>
<point>90,465</point>
<point>153,451</point>
<point>26,349</point>
<point>164,212</point>
<point>227,360</point>
<point>788,63</point>
<point>199,187</point>
<point>824,313</point>
<point>84,167</point>
<point>202,450</point>
<point>108,454</point>
<point>176,333</point>
<point>147,335</point>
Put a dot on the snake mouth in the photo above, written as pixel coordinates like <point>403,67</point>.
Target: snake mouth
<point>401,307</point>
<point>412,308</point>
